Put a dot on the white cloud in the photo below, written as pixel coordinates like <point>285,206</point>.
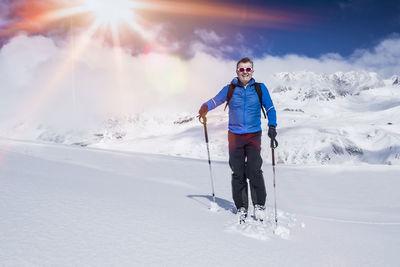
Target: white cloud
<point>384,58</point>
<point>288,63</point>
<point>208,36</point>
<point>218,52</point>
<point>213,44</point>
<point>96,86</point>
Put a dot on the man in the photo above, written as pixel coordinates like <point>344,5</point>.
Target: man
<point>244,136</point>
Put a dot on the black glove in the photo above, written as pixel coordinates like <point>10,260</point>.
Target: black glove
<point>272,132</point>
<point>203,110</point>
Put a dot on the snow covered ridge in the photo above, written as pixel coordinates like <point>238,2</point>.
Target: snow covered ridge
<point>305,85</point>
<point>341,118</point>
<point>341,131</point>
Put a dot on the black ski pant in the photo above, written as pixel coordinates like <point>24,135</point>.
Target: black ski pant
<point>245,162</point>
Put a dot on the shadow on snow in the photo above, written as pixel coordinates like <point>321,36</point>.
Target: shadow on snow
<point>222,203</point>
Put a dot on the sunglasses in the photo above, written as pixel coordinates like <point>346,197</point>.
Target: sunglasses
<point>245,69</point>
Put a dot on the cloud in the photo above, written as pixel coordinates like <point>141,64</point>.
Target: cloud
<point>208,36</point>
<point>218,51</point>
<point>292,63</point>
<point>217,45</point>
<point>100,83</point>
<point>103,82</point>
<point>384,58</point>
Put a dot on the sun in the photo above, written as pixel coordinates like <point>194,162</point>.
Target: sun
<point>110,12</point>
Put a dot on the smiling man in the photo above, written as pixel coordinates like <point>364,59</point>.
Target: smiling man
<point>246,99</point>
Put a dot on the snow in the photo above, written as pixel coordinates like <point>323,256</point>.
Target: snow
<point>65,205</point>
<point>214,206</point>
<point>98,169</point>
<point>339,118</point>
<point>135,190</point>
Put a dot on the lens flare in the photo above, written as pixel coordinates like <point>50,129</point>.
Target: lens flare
<point>110,12</point>
<point>115,21</point>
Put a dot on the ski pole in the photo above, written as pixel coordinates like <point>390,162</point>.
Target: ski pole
<point>203,120</point>
<point>274,144</point>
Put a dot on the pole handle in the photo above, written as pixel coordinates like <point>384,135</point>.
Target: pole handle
<point>274,143</point>
<point>202,119</point>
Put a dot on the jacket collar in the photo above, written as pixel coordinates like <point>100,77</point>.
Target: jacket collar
<point>236,82</point>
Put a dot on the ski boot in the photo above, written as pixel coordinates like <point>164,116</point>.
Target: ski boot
<point>242,215</point>
<point>259,213</point>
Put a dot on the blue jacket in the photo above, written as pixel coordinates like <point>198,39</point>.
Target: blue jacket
<point>244,107</point>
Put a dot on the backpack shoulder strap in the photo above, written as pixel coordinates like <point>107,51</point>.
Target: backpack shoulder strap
<point>231,88</point>
<point>257,86</point>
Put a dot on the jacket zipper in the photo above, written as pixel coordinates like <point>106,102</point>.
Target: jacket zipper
<point>244,110</point>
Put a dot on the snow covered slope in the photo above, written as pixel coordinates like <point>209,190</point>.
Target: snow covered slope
<point>339,118</point>
<point>73,206</point>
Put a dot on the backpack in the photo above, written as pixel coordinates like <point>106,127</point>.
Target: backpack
<point>257,86</point>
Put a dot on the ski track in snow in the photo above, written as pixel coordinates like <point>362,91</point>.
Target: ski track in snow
<point>349,221</point>
<point>267,229</point>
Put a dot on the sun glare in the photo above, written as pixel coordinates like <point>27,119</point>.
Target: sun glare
<point>110,12</point>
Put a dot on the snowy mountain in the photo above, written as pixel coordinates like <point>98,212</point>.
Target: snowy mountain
<point>351,118</point>
<point>307,85</point>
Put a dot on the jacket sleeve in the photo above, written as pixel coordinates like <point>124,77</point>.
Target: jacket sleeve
<point>268,105</point>
<point>218,99</point>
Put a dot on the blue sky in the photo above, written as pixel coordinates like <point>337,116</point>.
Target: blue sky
<point>334,27</point>
<point>343,26</point>
<point>232,29</point>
